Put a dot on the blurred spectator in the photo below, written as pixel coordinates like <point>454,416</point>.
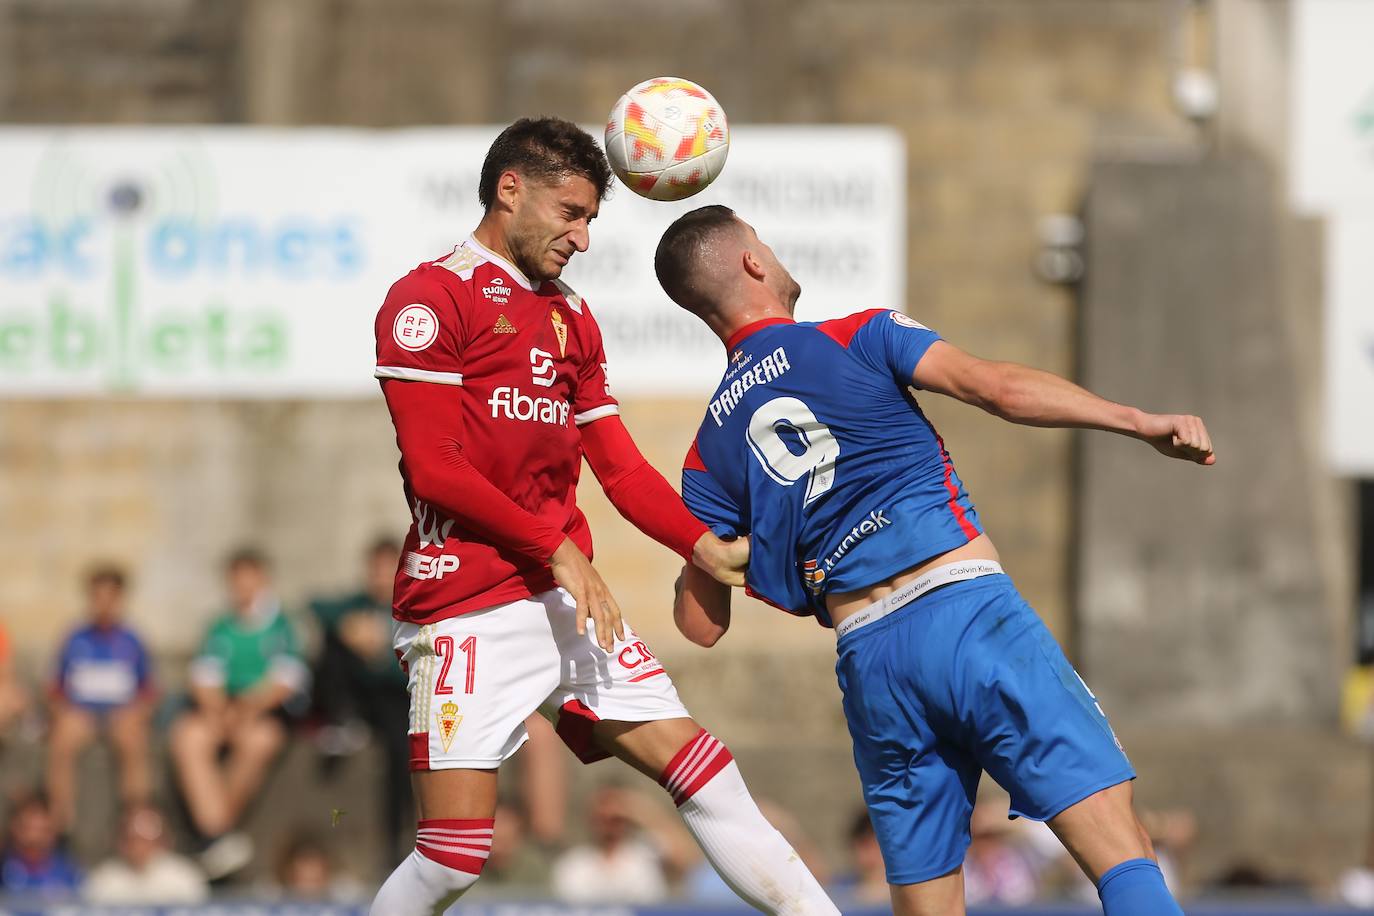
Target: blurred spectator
<point>636,848</point>
<point>997,868</point>
<point>867,884</point>
<point>515,862</point>
<point>305,871</point>
<point>32,865</point>
<point>1252,881</point>
<point>1172,832</point>
<point>102,688</point>
<point>1355,886</point>
<point>13,700</point>
<point>247,671</point>
<point>361,690</point>
<point>144,870</point>
<point>705,885</point>
<point>543,768</point>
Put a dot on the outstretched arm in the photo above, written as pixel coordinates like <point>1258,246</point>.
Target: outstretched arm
<point>1031,397</point>
<point>701,608</point>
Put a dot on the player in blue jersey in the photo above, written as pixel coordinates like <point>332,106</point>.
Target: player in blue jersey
<point>815,447</point>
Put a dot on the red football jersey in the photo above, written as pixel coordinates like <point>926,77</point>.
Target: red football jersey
<point>526,363</point>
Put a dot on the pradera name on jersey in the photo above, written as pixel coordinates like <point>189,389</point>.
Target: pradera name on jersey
<point>768,368</point>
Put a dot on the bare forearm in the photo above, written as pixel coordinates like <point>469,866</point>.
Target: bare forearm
<point>701,609</point>
<point>1035,398</point>
<point>1028,396</point>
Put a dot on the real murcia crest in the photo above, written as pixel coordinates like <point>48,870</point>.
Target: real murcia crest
<point>448,723</point>
<point>560,330</point>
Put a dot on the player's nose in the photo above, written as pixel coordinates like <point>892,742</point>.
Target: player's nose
<point>581,237</point>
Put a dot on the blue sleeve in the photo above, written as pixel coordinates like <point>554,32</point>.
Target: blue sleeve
<point>708,502</point>
<point>64,663</point>
<point>893,342</point>
<point>142,666</point>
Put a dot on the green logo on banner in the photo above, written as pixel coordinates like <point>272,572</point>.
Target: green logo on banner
<point>127,279</point>
<point>1364,117</point>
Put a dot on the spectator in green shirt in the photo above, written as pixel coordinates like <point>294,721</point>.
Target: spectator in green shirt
<point>360,690</point>
<point>248,669</point>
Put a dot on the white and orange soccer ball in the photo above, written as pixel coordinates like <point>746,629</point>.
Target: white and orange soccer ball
<point>667,138</point>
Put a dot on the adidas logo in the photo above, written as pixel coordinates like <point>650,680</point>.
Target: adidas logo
<point>503,326</point>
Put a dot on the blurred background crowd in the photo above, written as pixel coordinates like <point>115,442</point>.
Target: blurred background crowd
<point>183,755</point>
<point>1169,201</point>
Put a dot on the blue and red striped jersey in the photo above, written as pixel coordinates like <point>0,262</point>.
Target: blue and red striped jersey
<point>815,446</point>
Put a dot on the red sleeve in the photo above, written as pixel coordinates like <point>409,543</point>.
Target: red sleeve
<point>637,490</point>
<point>593,399</point>
<point>429,431</point>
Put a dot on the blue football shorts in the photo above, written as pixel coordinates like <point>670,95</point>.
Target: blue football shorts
<point>964,679</point>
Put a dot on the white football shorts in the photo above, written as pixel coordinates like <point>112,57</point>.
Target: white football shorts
<point>475,678</point>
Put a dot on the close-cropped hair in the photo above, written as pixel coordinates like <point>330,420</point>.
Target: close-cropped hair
<point>682,246</point>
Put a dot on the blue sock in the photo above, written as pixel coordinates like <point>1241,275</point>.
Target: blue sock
<point>1136,888</point>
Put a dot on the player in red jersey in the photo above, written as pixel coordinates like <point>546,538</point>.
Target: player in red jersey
<point>495,377</point>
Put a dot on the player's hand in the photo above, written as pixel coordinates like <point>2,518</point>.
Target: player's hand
<point>1177,436</point>
<point>572,570</point>
<point>726,561</point>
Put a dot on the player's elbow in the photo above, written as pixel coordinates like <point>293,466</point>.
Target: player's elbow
<point>426,484</point>
<point>697,626</point>
<point>993,388</point>
<point>707,636</point>
<point>432,468</point>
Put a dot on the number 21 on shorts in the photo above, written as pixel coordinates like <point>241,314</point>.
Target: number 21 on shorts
<point>443,647</point>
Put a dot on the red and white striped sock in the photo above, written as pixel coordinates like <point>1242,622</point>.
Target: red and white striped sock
<point>692,767</point>
<point>449,855</point>
<point>749,854</point>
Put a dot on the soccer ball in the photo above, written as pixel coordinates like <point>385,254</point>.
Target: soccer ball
<point>667,138</point>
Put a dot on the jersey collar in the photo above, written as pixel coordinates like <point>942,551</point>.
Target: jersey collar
<point>737,338</point>
<point>507,266</point>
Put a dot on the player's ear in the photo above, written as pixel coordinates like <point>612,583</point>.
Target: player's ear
<point>752,265</point>
<point>508,188</point>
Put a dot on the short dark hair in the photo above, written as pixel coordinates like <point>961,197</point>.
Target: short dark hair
<point>543,148</point>
<point>383,544</point>
<point>106,574</point>
<point>860,827</point>
<point>246,556</point>
<point>679,251</point>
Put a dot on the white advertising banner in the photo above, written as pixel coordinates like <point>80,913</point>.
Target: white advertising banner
<point>1350,345</point>
<point>249,262</point>
<point>1333,105</point>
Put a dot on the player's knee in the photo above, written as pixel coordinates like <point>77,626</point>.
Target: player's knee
<point>191,734</point>
<point>459,847</point>
<point>259,737</point>
<point>448,859</point>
